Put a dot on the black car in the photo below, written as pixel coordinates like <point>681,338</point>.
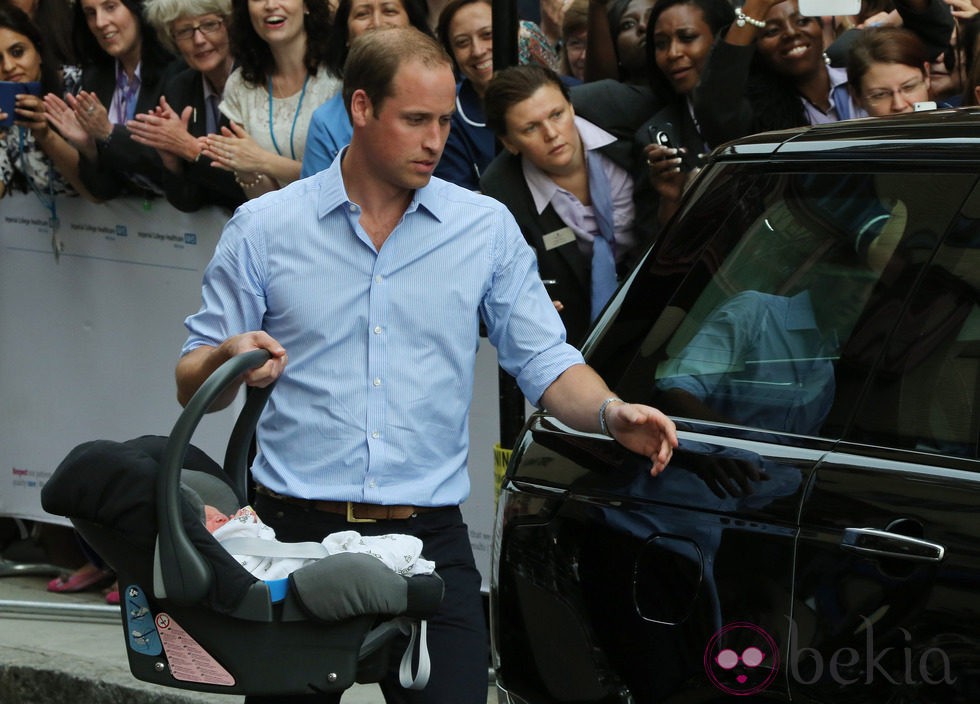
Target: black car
<point>811,321</point>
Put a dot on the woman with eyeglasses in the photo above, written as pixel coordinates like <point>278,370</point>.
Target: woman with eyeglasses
<point>769,70</point>
<point>188,110</point>
<point>888,71</point>
<point>282,76</point>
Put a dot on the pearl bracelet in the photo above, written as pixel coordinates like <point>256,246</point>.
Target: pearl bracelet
<point>602,414</point>
<point>248,184</point>
<point>742,19</point>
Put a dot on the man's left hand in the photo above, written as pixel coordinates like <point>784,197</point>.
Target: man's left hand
<point>643,430</point>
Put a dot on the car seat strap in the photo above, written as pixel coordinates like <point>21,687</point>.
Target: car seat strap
<point>257,547</point>
<point>421,677</point>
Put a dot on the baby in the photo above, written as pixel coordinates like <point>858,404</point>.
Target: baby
<point>401,553</point>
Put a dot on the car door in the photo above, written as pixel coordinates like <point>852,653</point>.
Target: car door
<point>888,568</point>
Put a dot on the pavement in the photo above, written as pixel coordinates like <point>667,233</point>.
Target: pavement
<point>57,648</point>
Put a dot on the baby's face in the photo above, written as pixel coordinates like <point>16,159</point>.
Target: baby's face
<point>213,518</point>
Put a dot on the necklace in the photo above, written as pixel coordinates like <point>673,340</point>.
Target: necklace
<point>292,131</point>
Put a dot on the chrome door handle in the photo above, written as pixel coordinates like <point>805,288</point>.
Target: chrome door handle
<point>871,541</point>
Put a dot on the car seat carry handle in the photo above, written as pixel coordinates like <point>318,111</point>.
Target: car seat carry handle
<point>185,573</point>
<point>239,443</point>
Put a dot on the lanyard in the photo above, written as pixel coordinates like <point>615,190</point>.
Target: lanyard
<point>292,131</point>
<point>50,203</point>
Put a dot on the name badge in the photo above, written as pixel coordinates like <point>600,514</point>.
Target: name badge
<point>558,238</point>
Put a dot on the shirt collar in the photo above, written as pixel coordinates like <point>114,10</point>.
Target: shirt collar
<point>542,188</point>
<point>208,90</point>
<point>137,74</point>
<point>333,194</point>
<point>799,312</point>
<point>838,77</point>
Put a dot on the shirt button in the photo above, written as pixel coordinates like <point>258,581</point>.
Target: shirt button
<point>377,382</point>
<point>378,279</point>
<point>375,435</point>
<point>353,208</point>
<point>377,329</point>
<point>373,484</point>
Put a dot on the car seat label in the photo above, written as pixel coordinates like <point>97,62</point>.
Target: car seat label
<point>140,631</point>
<point>189,661</point>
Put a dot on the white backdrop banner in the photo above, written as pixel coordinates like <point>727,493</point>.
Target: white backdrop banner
<point>89,340</point>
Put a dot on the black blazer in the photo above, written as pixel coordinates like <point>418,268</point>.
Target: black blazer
<point>198,183</point>
<point>674,119</point>
<point>619,109</point>
<point>107,176</point>
<point>566,264</point>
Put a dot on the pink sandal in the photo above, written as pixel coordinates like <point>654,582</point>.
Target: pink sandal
<point>86,577</point>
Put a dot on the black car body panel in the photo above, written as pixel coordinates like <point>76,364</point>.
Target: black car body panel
<point>813,538</point>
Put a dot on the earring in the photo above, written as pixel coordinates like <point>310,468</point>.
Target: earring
<point>826,59</point>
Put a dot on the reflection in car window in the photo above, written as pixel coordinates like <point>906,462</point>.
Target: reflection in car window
<point>925,391</point>
<point>783,309</point>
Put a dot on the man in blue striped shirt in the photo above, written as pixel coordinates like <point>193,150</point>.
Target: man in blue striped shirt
<point>374,277</point>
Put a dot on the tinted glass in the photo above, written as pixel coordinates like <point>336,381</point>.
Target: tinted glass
<point>769,303</point>
<point>925,390</point>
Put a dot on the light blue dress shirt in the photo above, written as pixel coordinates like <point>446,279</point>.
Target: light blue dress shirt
<point>373,404</point>
<point>760,360</point>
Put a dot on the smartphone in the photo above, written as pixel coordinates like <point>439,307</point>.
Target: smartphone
<point>829,8</point>
<point>662,137</point>
<point>925,105</point>
<point>8,92</point>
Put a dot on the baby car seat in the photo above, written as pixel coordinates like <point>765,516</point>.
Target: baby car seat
<point>193,617</point>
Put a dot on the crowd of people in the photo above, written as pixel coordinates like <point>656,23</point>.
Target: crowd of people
<point>589,142</point>
<point>213,102</point>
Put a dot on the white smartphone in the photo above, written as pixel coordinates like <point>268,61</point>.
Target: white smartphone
<point>829,8</point>
<point>927,105</point>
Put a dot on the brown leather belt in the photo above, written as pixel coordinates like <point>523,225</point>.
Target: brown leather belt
<point>354,511</point>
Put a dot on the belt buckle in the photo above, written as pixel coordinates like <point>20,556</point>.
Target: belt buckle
<point>351,518</point>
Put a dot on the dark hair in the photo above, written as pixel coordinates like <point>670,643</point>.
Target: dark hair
<point>53,18</point>
<point>153,56</point>
<point>966,53</point>
<point>376,56</point>
<point>512,85</point>
<point>446,17</point>
<point>16,20</point>
<point>717,14</point>
<point>774,97</point>
<point>338,44</point>
<point>254,56</point>
<point>884,45</point>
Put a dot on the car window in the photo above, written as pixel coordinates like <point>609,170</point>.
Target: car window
<point>780,313</point>
<point>925,390</point>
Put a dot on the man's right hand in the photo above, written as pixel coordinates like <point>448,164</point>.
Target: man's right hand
<point>198,364</point>
<point>258,340</point>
